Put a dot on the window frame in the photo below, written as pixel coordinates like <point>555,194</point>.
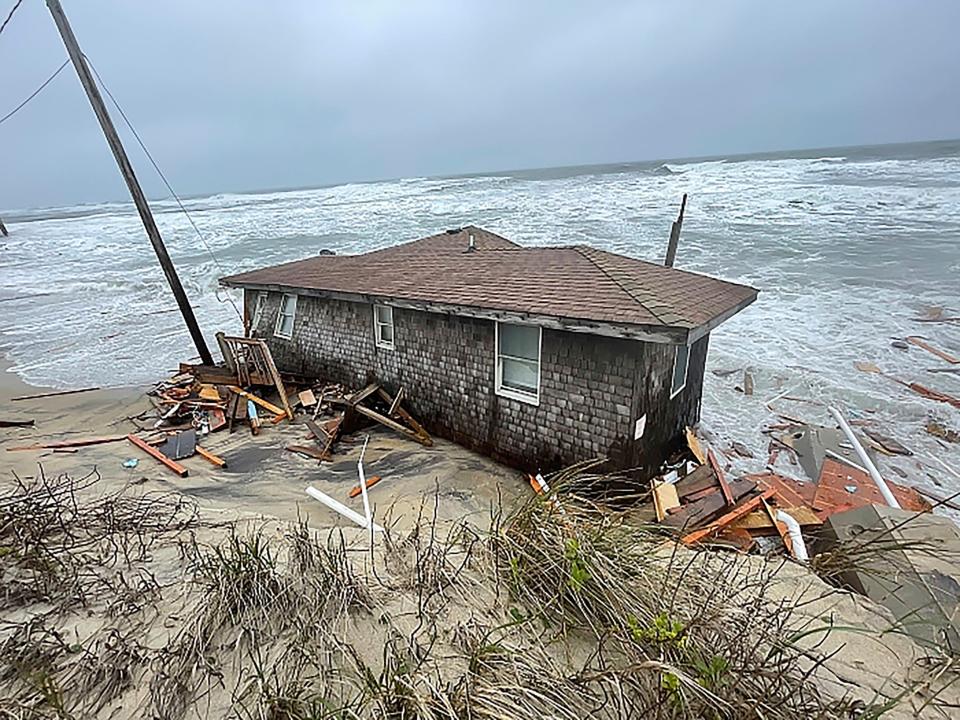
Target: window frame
<point>281,315</point>
<point>378,332</point>
<point>673,370</point>
<point>259,303</point>
<point>530,398</point>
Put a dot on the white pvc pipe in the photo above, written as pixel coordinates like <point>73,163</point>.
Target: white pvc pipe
<point>363,484</point>
<point>796,537</point>
<point>865,459</point>
<point>339,507</point>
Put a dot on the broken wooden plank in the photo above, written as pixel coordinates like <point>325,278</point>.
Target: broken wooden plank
<point>664,498</point>
<point>778,526</point>
<point>58,393</point>
<point>69,443</point>
<point>275,375</point>
<point>888,444</point>
<point>721,477</point>
<point>406,417</point>
<point>259,401</point>
<point>308,451</point>
<point>693,442</point>
<point>319,434</point>
<point>362,395</point>
<point>728,518</point>
<point>703,510</point>
<point>393,425</point>
<point>209,456</point>
<point>396,402</point>
<point>759,520</point>
<point>702,478</point>
<point>159,456</point>
<point>355,490</point>
<point>16,423</point>
<point>920,343</point>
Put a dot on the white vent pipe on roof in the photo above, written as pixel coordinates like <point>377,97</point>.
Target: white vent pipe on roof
<point>471,244</point>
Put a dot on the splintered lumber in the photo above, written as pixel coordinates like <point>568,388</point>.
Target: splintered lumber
<point>308,451</point>
<point>70,443</point>
<point>694,444</point>
<point>721,477</point>
<point>405,416</point>
<point>159,456</point>
<point>259,401</point>
<point>210,457</point>
<point>362,395</point>
<point>16,423</point>
<point>393,425</point>
<point>759,520</point>
<point>319,434</point>
<point>919,342</point>
<point>702,478</point>
<point>53,394</point>
<point>355,490</point>
<point>664,498</point>
<point>694,514</point>
<point>725,520</point>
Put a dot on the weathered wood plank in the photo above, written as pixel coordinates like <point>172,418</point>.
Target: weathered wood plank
<point>393,425</point>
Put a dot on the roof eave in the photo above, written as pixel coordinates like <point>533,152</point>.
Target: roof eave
<point>646,333</point>
<point>708,326</point>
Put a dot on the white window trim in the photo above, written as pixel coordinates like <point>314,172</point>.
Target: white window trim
<point>378,340</point>
<point>258,305</point>
<point>293,320</point>
<point>508,392</point>
<point>673,369</point>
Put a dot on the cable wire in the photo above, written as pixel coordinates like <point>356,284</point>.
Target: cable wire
<point>35,93</point>
<point>166,183</point>
<point>10,15</point>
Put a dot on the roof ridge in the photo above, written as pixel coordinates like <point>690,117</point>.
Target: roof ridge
<point>580,249</point>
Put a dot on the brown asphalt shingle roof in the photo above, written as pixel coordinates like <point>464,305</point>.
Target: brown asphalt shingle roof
<point>577,282</point>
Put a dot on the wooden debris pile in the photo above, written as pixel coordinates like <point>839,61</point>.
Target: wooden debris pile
<point>336,411</point>
<point>701,502</point>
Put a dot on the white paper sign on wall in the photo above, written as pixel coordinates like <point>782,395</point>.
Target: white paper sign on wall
<point>639,427</point>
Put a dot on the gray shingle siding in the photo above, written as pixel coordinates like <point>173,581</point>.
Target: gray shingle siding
<point>592,388</point>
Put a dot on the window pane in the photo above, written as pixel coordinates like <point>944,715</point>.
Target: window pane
<point>520,341</point>
<point>680,360</point>
<point>286,325</point>
<point>519,375</point>
<point>386,333</point>
<point>384,314</point>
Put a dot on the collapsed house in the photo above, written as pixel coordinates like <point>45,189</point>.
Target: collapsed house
<point>535,356</point>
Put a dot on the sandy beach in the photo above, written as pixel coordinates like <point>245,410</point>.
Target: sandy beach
<point>261,477</point>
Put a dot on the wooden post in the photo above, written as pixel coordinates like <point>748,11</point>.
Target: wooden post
<point>126,169</point>
<point>675,234</point>
<point>3,229</point>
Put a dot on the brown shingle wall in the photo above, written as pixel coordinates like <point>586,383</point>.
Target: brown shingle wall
<point>588,400</point>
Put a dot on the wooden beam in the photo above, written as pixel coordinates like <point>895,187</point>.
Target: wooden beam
<point>721,478</point>
<point>275,375</point>
<point>209,456</point>
<point>675,234</point>
<point>70,443</point>
<point>57,393</point>
<point>159,456</point>
<point>738,512</point>
<point>362,395</point>
<point>407,417</point>
<point>355,490</point>
<point>259,401</point>
<point>393,425</point>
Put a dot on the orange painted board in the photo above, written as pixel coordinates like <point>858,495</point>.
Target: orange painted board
<point>370,483</point>
<point>724,520</point>
<point>159,456</point>
<point>209,456</point>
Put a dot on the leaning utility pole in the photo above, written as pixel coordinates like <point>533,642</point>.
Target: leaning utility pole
<point>126,169</point>
<point>675,234</point>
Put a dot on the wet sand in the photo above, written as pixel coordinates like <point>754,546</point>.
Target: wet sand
<point>261,479</point>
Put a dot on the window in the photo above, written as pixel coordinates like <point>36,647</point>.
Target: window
<point>681,359</point>
<point>518,362</point>
<point>383,326</point>
<point>288,311</point>
<point>257,312</point>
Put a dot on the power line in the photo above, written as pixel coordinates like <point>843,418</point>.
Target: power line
<point>164,178</point>
<point>10,15</point>
<point>34,93</point>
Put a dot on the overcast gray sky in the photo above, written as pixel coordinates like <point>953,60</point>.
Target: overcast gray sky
<point>241,95</point>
